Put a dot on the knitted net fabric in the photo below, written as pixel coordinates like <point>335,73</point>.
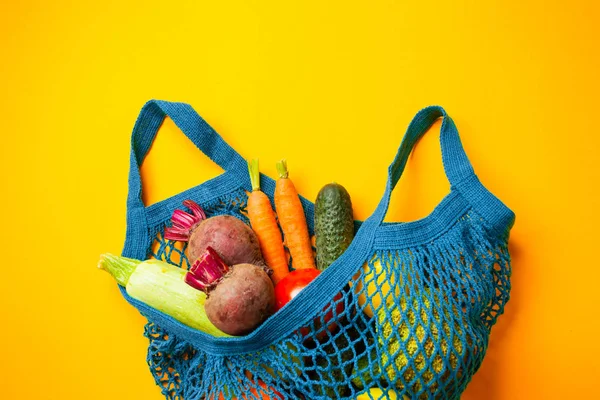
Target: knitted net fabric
<point>432,309</point>
<point>407,308</point>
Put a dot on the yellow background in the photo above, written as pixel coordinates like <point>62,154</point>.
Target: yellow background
<point>332,87</point>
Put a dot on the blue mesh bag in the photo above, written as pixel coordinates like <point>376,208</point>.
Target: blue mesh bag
<point>412,304</point>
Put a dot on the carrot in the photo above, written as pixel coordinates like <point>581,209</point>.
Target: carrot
<point>292,220</point>
<point>264,224</point>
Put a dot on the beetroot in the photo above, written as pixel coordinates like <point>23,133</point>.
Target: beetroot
<point>239,298</point>
<point>235,241</point>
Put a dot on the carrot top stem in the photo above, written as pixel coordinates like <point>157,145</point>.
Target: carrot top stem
<point>282,169</point>
<point>254,174</point>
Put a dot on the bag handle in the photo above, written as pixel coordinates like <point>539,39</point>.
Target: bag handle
<point>191,124</point>
<point>456,163</point>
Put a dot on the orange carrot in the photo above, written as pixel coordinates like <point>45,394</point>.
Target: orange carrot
<point>264,224</point>
<point>292,220</point>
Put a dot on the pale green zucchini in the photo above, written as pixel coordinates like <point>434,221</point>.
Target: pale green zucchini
<point>161,286</point>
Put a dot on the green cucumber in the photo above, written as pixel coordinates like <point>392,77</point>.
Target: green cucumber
<point>161,286</point>
<point>334,224</point>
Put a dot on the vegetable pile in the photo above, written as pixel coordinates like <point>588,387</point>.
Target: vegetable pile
<point>240,274</point>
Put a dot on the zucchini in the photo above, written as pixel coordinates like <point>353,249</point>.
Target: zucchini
<point>334,224</point>
<point>161,286</point>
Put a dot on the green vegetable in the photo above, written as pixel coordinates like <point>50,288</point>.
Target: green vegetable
<point>407,338</point>
<point>364,372</point>
<point>161,286</point>
<point>332,371</point>
<point>333,368</point>
<point>334,224</point>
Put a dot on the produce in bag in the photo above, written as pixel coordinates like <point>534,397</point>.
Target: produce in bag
<point>232,239</point>
<point>162,286</point>
<point>293,220</point>
<point>334,224</point>
<point>264,223</point>
<point>240,297</point>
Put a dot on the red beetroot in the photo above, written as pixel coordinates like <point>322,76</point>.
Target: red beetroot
<point>235,241</point>
<point>239,298</point>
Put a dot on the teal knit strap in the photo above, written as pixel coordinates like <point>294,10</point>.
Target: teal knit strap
<point>456,164</point>
<point>200,133</point>
<point>191,124</point>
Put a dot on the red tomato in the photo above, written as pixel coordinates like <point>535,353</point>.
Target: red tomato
<point>289,287</point>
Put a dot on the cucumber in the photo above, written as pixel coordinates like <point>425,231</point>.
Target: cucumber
<point>334,224</point>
